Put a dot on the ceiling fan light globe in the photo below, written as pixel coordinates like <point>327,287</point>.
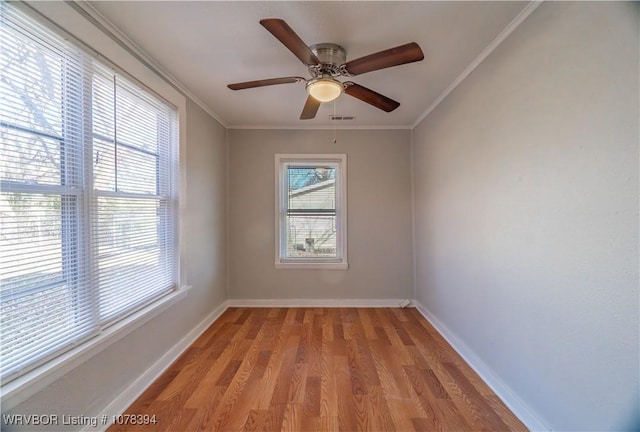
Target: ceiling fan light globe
<point>325,90</point>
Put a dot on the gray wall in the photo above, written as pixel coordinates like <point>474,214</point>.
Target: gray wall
<point>379,216</point>
<point>88,389</point>
<point>526,208</point>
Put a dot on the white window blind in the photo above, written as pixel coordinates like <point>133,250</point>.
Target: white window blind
<point>311,209</point>
<point>88,195</point>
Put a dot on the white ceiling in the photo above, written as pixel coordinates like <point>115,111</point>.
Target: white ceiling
<point>207,45</point>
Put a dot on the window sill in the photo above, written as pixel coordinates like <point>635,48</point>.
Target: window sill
<point>309,265</point>
<point>25,386</point>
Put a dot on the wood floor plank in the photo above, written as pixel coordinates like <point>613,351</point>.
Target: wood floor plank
<point>402,411</point>
<point>321,369</point>
<point>348,316</point>
<point>328,390</point>
<point>255,421</point>
<point>433,416</point>
<point>206,409</point>
<point>434,384</point>
<point>284,348</point>
<point>422,424</point>
<point>394,365</point>
<point>454,418</point>
<point>275,417</point>
<point>346,410</point>
<point>360,415</point>
<point>315,346</point>
<point>311,402</point>
<point>398,347</point>
<point>215,367</point>
<point>339,347</point>
<point>298,383</point>
<point>387,380</point>
<point>365,319</point>
<point>227,409</point>
<point>327,326</point>
<point>292,418</point>
<point>379,410</point>
<point>382,335</point>
<point>482,411</point>
<point>248,398</point>
<point>325,424</point>
<point>290,317</point>
<point>364,362</point>
<point>283,380</point>
<point>356,374</point>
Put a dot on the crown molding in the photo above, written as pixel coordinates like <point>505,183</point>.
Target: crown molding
<point>91,14</point>
<point>519,19</point>
<point>318,127</point>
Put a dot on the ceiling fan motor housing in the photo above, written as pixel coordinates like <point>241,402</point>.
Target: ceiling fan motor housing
<point>331,57</point>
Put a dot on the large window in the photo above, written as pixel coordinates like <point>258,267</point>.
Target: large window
<point>311,211</point>
<point>88,201</point>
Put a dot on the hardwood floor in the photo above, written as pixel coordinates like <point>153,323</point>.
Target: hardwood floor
<point>321,369</point>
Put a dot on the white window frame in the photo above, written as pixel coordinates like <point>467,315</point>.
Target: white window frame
<point>282,162</point>
<point>68,22</point>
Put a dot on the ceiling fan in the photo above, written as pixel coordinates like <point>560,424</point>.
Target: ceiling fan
<point>326,62</point>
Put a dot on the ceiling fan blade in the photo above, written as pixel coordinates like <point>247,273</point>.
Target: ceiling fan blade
<point>310,108</point>
<point>265,82</point>
<point>290,39</point>
<point>399,55</point>
<point>369,96</point>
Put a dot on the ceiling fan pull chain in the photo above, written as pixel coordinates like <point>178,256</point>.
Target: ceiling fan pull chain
<point>334,125</point>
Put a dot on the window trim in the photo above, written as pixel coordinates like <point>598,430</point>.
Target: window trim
<point>309,263</point>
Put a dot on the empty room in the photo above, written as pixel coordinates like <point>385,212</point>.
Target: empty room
<point>319,216</point>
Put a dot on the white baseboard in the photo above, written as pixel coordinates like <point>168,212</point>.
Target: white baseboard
<point>133,392</point>
<point>336,303</point>
<point>531,420</point>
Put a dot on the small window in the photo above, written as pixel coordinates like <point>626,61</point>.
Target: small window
<point>311,211</point>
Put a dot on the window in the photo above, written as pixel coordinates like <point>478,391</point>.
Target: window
<point>88,195</point>
<point>311,211</point>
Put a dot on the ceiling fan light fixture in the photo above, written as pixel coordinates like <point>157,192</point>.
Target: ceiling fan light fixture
<point>325,89</point>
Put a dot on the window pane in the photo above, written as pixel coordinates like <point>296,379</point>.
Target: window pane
<point>131,246</point>
<point>31,85</point>
<point>102,100</point>
<point>104,165</point>
<point>311,188</point>
<point>42,307</point>
<point>31,248</point>
<point>311,236</point>
<point>136,171</point>
<point>136,121</point>
<point>27,157</point>
<point>36,322</point>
